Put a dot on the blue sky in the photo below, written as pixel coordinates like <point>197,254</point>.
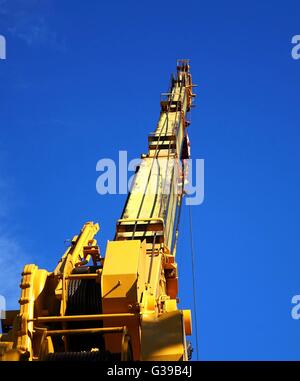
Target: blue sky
<point>82,81</point>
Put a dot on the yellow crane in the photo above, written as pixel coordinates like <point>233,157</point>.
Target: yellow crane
<point>122,306</point>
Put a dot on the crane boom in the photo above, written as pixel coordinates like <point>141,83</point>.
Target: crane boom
<point>122,306</point>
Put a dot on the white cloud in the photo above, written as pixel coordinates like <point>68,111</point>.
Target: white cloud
<point>12,256</point>
<point>25,20</point>
<point>12,260</point>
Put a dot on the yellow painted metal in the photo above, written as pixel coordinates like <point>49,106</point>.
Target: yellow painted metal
<point>170,305</point>
<point>156,194</point>
<point>73,256</point>
<point>123,282</point>
<point>47,319</point>
<point>32,285</point>
<point>163,337</point>
<point>44,293</point>
<point>122,276</point>
<point>83,331</point>
<point>138,275</point>
<point>187,317</point>
<point>96,275</point>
